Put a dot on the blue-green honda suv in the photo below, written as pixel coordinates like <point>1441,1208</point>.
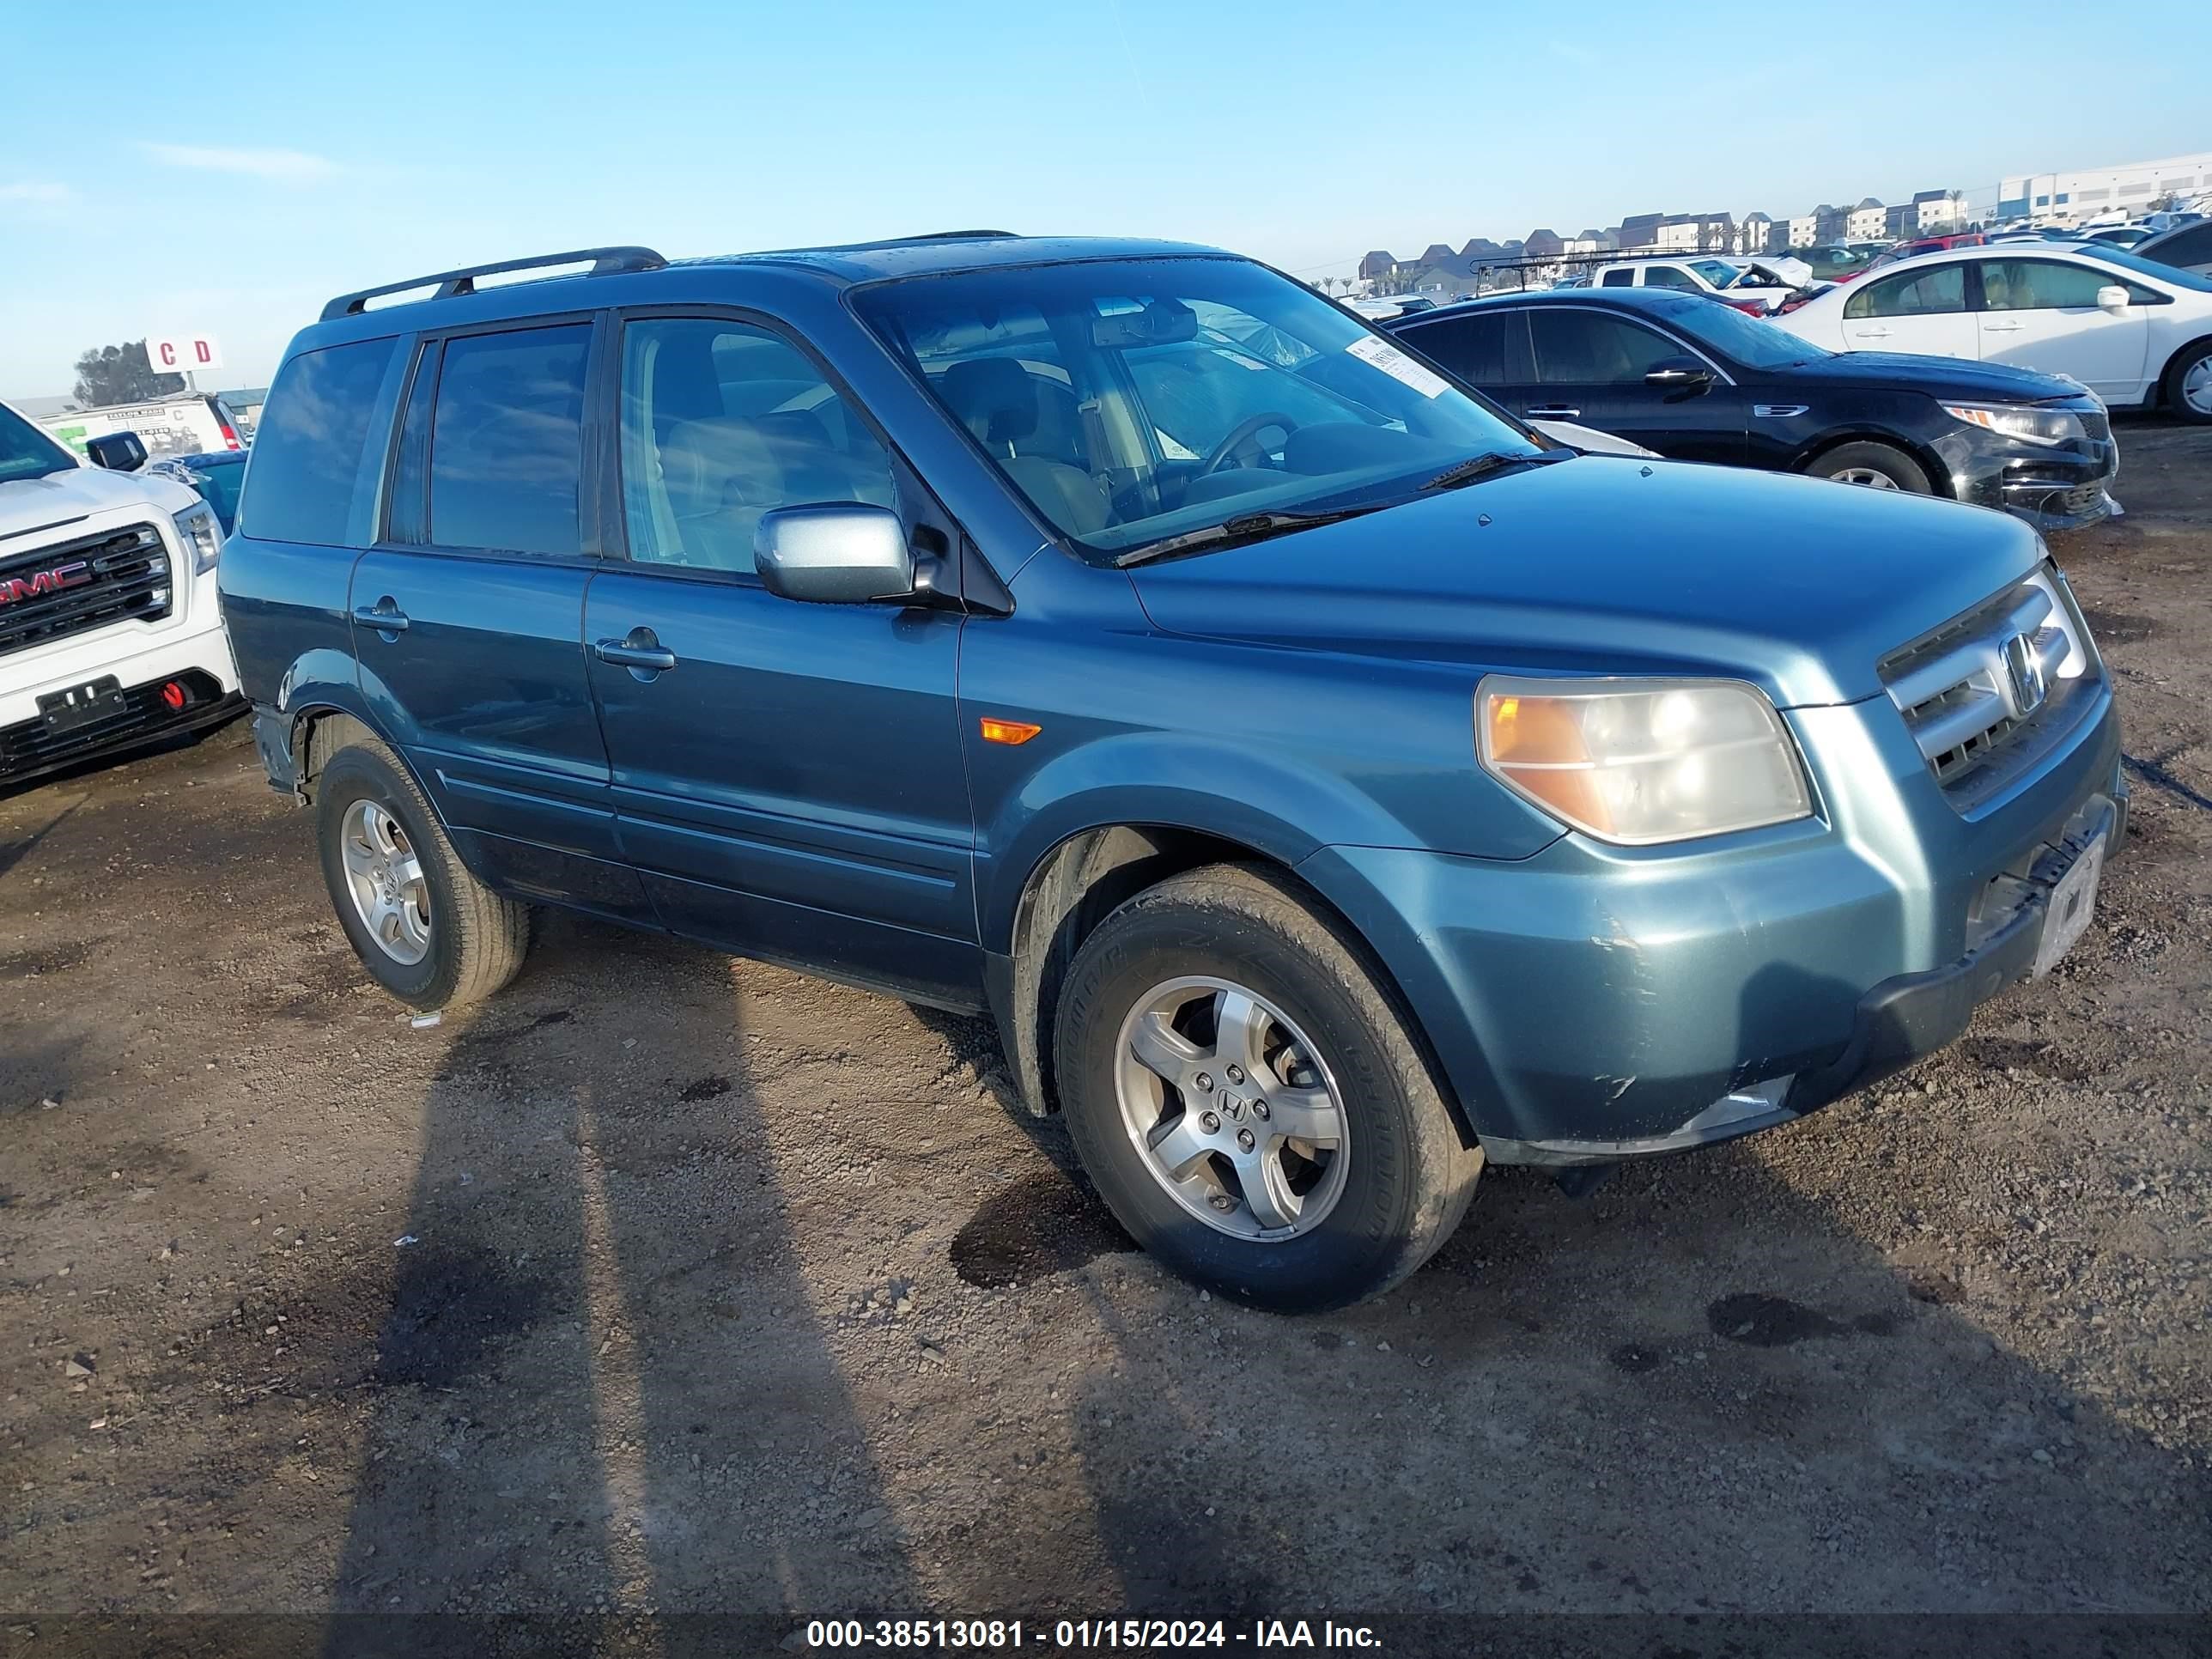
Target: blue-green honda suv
<point>1326,782</point>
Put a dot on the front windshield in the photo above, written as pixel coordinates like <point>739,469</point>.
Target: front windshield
<point>1132,400</point>
<point>2126,259</point>
<point>1751,341</point>
<point>27,453</point>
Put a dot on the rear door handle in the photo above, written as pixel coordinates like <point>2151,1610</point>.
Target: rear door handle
<point>384,617</point>
<point>1872,333</point>
<point>1554,412</point>
<point>640,651</point>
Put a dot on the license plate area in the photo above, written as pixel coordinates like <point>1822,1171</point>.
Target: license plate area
<point>83,705</point>
<point>2069,906</point>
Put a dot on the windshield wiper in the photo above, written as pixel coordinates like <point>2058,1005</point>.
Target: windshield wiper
<point>1489,461</point>
<point>1245,527</point>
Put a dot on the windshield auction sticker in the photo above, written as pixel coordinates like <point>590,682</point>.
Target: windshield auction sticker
<point>1398,366</point>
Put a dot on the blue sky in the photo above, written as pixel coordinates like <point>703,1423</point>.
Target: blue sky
<point>230,167</point>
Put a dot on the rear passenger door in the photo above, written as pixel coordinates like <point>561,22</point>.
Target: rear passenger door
<point>1925,311</point>
<point>1591,369</point>
<point>788,776</point>
<point>1488,348</point>
<point>468,613</point>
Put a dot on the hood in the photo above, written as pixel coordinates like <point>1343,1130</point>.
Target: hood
<point>61,498</point>
<point>1796,273</point>
<point>1941,377</point>
<point>1596,565</point>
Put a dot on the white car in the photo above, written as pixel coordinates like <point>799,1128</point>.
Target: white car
<point>2137,334</point>
<point>110,633</point>
<point>1758,285</point>
<point>1382,309</point>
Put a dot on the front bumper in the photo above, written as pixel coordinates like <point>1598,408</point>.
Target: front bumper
<point>1593,1003</point>
<point>2054,487</point>
<point>174,704</point>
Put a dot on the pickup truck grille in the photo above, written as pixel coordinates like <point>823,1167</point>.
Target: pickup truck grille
<point>1989,692</point>
<point>61,589</point>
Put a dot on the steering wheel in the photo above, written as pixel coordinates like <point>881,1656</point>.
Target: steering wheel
<point>1240,435</point>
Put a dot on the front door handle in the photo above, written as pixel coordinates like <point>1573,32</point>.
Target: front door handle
<point>640,651</point>
<point>384,617</point>
<point>1873,334</point>
<point>1554,412</point>
<point>2001,328</point>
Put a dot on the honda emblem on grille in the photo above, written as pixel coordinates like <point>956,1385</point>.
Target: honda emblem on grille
<point>40,583</point>
<point>2024,664</point>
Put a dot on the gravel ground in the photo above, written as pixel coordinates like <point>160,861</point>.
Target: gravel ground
<point>670,1284</point>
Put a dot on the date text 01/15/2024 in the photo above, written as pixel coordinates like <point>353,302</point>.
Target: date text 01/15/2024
<point>1077,1634</point>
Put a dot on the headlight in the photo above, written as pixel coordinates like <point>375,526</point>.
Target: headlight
<point>2034,425</point>
<point>201,535</point>
<point>1637,762</point>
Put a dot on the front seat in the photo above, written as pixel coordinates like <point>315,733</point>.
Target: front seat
<point>720,474</point>
<point>996,400</point>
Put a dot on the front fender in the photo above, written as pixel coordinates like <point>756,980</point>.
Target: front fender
<point>1168,781</point>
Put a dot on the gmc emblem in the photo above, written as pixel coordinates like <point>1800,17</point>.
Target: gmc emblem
<point>41,582</point>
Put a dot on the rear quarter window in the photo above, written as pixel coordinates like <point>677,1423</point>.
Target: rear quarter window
<point>319,448</point>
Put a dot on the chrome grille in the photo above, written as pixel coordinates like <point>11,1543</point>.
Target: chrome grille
<point>1976,691</point>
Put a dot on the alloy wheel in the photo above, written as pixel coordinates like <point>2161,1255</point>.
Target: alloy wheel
<point>1864,475</point>
<point>2196,385</point>
<point>1231,1108</point>
<point>385,878</point>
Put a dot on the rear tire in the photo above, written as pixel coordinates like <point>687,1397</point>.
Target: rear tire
<point>1270,1022</point>
<point>426,930</point>
<point>1873,466</point>
<point>2189,384</point>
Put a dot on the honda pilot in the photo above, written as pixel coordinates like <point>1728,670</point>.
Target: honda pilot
<point>1326,783</point>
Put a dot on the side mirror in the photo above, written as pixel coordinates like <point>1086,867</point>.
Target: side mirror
<point>1678,374</point>
<point>123,452</point>
<point>2112,297</point>
<point>836,553</point>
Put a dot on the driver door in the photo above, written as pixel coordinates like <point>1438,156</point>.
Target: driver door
<point>1591,368</point>
<point>2042,314</point>
<point>786,778</point>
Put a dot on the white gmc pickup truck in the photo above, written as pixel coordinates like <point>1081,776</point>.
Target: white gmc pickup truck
<point>109,629</point>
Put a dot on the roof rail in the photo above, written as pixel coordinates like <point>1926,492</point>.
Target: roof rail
<point>605,261</point>
<point>949,236</point>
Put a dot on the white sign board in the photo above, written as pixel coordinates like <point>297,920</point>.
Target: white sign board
<point>183,354</point>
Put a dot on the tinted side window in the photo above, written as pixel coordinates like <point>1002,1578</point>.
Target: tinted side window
<point>1473,348</point>
<point>2192,247</point>
<point>1915,294</point>
<point>1668,276</point>
<point>1587,348</point>
<point>319,448</point>
<point>720,423</point>
<point>1618,279</point>
<point>2038,285</point>
<point>507,441</point>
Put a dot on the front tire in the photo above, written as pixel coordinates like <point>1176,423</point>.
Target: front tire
<point>2189,384</point>
<point>426,930</point>
<point>1248,1101</point>
<point>1873,466</point>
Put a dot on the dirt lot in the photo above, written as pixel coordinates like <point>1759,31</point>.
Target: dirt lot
<point>671,1283</point>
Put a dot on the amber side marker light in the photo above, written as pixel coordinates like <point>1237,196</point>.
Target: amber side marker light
<point>1008,731</point>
